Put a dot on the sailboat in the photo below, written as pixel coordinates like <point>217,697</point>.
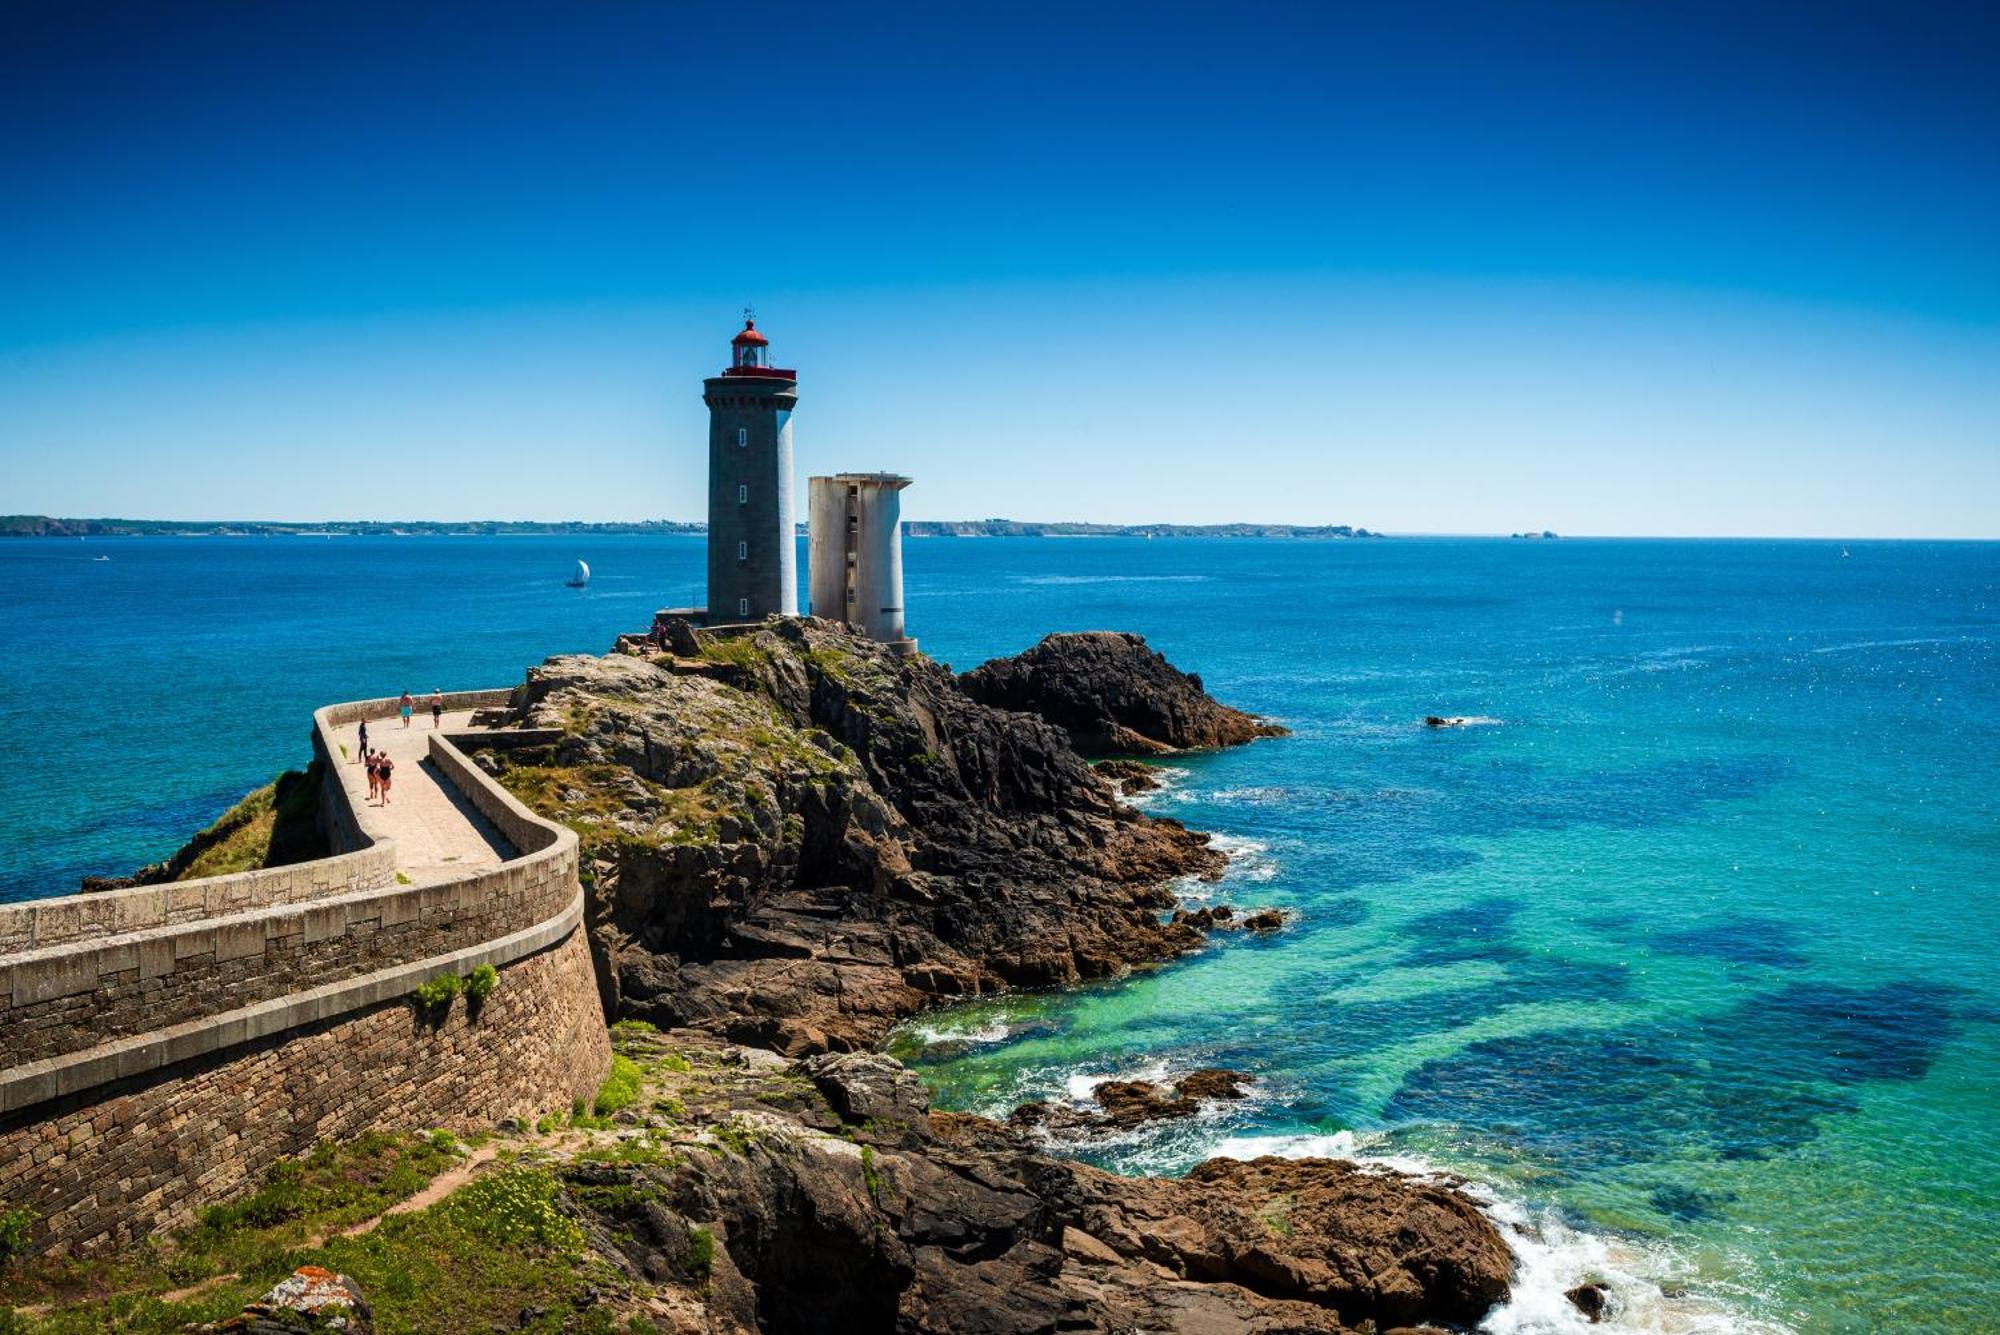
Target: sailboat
<point>580,578</point>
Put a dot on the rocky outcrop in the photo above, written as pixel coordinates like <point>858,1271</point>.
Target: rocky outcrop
<point>1112,695</point>
<point>803,837</point>
<point>957,1224</point>
<point>1131,776</point>
<point>1124,1104</point>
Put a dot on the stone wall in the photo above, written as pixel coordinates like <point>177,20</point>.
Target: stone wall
<point>157,1063</point>
<point>73,997</point>
<point>105,1168</point>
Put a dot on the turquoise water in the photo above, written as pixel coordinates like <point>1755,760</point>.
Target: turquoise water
<point>1685,955</point>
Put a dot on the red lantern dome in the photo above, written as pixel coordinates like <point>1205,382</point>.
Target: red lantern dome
<point>750,354</point>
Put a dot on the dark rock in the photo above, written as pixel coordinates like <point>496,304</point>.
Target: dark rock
<point>1593,1300</point>
<point>1131,776</point>
<point>1113,696</point>
<point>873,1093</point>
<point>974,1232</point>
<point>837,837</point>
<point>1124,1104</point>
<point>1264,920</point>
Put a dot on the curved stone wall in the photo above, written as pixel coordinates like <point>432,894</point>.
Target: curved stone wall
<point>158,1066</point>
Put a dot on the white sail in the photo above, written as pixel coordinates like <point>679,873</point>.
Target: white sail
<point>581,577</point>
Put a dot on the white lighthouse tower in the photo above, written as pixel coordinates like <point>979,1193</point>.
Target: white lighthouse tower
<point>857,554</point>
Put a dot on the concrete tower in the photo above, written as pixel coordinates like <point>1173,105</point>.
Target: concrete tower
<point>857,553</point>
<point>752,547</point>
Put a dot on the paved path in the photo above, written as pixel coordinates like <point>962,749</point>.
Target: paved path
<point>439,834</point>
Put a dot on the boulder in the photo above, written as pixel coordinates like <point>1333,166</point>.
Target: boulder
<point>1131,776</point>
<point>309,1299</point>
<point>1112,695</point>
<point>1593,1300</point>
<point>873,1093</point>
<point>1124,1104</point>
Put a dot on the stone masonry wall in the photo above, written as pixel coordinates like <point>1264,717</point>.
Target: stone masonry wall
<point>157,1064</point>
<point>103,1169</point>
<point>71,998</point>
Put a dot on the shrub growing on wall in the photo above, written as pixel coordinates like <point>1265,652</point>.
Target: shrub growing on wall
<point>433,998</point>
<point>479,984</point>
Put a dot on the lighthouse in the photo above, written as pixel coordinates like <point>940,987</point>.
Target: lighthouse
<point>752,542</point>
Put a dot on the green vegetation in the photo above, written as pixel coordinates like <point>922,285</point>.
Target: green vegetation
<point>741,651</point>
<point>15,1225</point>
<point>275,826</point>
<point>701,1251</point>
<point>479,984</point>
<point>1277,1215</point>
<point>620,1088</point>
<point>236,1251</point>
<point>434,997</point>
<point>591,799</point>
<point>869,1176</point>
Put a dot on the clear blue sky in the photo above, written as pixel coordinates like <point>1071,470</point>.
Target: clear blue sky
<point>1605,268</point>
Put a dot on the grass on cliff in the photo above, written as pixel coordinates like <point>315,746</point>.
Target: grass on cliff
<point>592,799</point>
<point>471,1263</point>
<point>274,826</point>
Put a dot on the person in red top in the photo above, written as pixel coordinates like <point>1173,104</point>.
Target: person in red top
<point>374,775</point>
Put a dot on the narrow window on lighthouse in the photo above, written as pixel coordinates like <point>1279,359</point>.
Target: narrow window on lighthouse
<point>743,607</point>
<point>743,551</point>
<point>742,493</point>
<point>742,436</point>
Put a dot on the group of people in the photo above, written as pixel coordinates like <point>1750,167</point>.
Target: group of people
<point>381,769</point>
<point>406,706</point>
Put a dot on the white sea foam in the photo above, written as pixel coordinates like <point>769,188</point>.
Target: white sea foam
<point>1551,1257</point>
<point>1169,780</point>
<point>989,1031</point>
<point>1249,859</point>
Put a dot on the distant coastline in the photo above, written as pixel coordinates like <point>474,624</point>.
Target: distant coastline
<point>43,526</point>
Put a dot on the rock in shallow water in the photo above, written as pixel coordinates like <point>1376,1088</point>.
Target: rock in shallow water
<point>1113,695</point>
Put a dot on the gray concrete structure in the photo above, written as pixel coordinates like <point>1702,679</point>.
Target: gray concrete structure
<point>752,542</point>
<point>857,553</point>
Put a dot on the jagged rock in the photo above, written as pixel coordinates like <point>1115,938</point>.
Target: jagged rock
<point>972,1231</point>
<point>1264,920</point>
<point>872,1092</point>
<point>1124,1104</point>
<point>1593,1300</point>
<point>1131,776</point>
<point>309,1299</point>
<point>836,837</point>
<point>1112,695</point>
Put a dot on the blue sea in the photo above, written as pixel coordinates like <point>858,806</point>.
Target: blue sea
<point>1683,953</point>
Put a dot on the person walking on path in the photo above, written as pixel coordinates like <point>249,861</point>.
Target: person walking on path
<point>364,740</point>
<point>369,759</point>
<point>386,768</point>
<point>437,707</point>
<point>406,704</point>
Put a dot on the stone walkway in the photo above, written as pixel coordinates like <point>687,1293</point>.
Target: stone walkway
<point>439,834</point>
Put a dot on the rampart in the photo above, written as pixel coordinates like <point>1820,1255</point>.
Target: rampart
<point>162,1045</point>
